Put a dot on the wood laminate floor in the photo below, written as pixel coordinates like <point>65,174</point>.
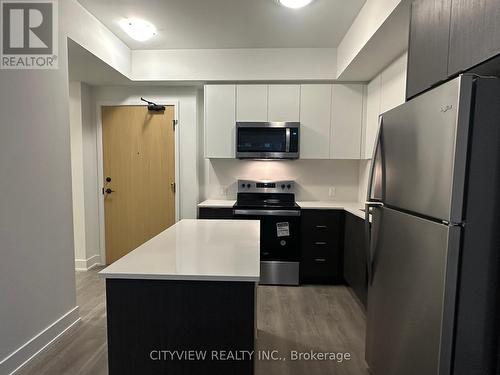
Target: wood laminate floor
<point>302,319</point>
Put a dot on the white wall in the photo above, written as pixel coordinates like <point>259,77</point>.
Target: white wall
<point>75,119</point>
<point>90,178</point>
<point>86,30</point>
<point>84,176</point>
<point>37,280</point>
<point>188,125</point>
<point>313,177</point>
<point>390,93</point>
<point>373,14</point>
<point>234,64</point>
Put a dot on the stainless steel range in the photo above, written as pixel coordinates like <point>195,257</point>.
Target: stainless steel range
<point>273,203</point>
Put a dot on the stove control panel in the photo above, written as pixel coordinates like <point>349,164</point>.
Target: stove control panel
<point>250,186</point>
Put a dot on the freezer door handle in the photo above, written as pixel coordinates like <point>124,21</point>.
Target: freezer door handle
<point>368,235</point>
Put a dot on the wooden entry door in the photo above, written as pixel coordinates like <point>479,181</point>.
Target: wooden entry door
<point>139,176</point>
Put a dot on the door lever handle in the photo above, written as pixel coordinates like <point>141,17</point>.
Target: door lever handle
<point>109,191</point>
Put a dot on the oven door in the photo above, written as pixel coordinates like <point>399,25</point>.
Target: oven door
<point>269,140</point>
<point>279,232</point>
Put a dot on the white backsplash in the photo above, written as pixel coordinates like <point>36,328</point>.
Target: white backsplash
<point>315,179</point>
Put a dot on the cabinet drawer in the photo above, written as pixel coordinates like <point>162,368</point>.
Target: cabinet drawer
<point>215,213</point>
<point>321,226</point>
<point>321,219</point>
<point>318,249</point>
<point>319,269</point>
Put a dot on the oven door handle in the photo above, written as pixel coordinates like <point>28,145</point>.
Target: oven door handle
<point>240,212</point>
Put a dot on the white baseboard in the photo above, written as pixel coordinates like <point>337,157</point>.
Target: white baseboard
<point>16,361</point>
<point>87,264</point>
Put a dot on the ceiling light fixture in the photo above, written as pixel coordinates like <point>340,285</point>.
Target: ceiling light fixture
<point>295,4</point>
<point>138,29</point>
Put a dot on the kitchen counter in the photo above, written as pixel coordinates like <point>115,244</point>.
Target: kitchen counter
<point>217,250</point>
<point>193,283</point>
<point>218,203</point>
<point>352,207</point>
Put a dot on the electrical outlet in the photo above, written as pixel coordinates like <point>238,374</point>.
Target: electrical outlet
<point>331,192</point>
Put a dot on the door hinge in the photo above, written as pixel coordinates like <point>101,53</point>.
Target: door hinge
<point>174,123</point>
<point>173,186</point>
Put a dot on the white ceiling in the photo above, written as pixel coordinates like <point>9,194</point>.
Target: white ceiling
<point>230,23</point>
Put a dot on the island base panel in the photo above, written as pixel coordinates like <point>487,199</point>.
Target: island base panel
<point>148,317</point>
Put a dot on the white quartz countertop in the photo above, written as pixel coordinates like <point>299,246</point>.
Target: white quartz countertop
<point>206,250</point>
<point>352,207</point>
<point>217,203</point>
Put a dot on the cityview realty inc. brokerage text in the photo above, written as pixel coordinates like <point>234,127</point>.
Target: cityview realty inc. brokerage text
<point>247,355</point>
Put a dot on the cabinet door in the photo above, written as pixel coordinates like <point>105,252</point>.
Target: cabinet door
<point>251,102</point>
<point>220,121</point>
<point>428,49</point>
<point>355,272</point>
<point>475,33</point>
<point>321,249</point>
<point>393,85</point>
<point>347,118</point>
<point>315,111</point>
<point>284,103</point>
<point>372,115</point>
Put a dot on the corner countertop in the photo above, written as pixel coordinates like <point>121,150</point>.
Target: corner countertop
<point>352,207</point>
<point>217,203</point>
<point>200,250</point>
<point>355,208</point>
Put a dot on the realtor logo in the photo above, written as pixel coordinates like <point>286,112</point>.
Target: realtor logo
<point>29,34</point>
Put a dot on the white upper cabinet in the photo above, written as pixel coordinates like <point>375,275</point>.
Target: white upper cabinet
<point>220,121</point>
<point>315,111</point>
<point>372,114</point>
<point>384,92</point>
<point>347,121</point>
<point>284,103</point>
<point>251,102</point>
<point>393,84</point>
<point>331,116</point>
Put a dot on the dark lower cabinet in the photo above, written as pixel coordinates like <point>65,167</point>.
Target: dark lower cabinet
<point>355,272</point>
<point>215,213</point>
<point>321,250</point>
<point>149,322</point>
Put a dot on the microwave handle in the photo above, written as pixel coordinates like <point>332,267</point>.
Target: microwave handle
<point>287,135</point>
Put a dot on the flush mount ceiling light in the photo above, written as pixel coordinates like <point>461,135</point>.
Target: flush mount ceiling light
<point>295,4</point>
<point>138,29</point>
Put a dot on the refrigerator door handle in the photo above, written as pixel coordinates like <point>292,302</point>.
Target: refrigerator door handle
<point>368,235</point>
<point>376,147</point>
<point>369,200</point>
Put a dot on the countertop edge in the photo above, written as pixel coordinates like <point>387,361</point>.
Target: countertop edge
<point>353,207</point>
<point>143,276</point>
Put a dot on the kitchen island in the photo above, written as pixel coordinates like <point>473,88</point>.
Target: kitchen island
<point>184,302</point>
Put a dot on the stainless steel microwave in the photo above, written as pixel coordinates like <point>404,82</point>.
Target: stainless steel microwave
<point>267,140</point>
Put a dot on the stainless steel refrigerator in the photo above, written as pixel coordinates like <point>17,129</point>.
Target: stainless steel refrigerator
<point>434,247</point>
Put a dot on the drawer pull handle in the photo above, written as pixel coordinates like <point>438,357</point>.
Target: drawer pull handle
<point>320,260</point>
<point>320,243</point>
<point>321,226</point>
